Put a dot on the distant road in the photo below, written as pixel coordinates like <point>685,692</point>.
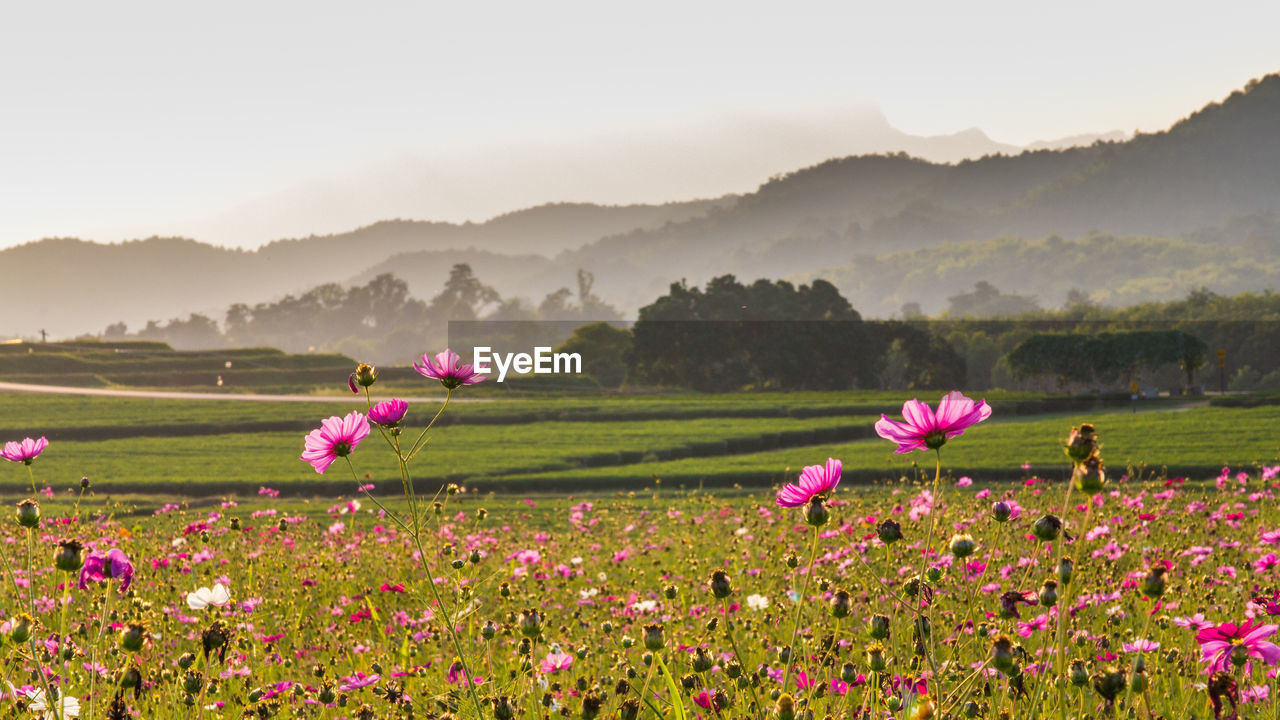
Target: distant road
<point>172,395</point>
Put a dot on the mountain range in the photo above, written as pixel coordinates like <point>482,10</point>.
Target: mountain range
<point>1144,218</point>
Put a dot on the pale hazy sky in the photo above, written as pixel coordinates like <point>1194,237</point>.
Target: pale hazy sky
<point>237,122</point>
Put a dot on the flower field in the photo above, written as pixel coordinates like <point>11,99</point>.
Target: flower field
<point>1074,592</point>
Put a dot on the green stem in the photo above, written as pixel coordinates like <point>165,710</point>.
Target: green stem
<point>733,643</point>
<point>431,583</point>
<point>420,442</point>
<point>93,656</point>
<point>926,640</point>
<point>813,557</point>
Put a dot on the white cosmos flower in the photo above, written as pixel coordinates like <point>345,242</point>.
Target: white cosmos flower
<point>645,605</point>
<point>588,593</point>
<point>67,706</point>
<point>757,602</point>
<point>202,598</point>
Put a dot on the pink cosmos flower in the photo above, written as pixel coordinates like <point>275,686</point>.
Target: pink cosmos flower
<point>447,367</point>
<point>1195,622</point>
<point>814,480</point>
<point>336,438</point>
<point>25,451</point>
<point>925,429</point>
<point>111,565</point>
<point>1217,643</point>
<point>388,413</point>
<point>555,662</point>
<point>1140,645</point>
<point>357,681</point>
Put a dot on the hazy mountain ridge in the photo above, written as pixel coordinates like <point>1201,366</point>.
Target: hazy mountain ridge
<point>1212,179</point>
<point>61,283</point>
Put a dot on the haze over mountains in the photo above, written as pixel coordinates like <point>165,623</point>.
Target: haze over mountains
<point>1125,221</point>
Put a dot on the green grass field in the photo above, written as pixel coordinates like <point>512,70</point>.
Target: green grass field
<point>582,441</point>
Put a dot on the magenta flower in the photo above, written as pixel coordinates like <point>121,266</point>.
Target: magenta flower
<point>1140,645</point>
<point>447,367</point>
<point>111,565</point>
<point>925,429</point>
<point>1218,643</point>
<point>555,662</point>
<point>25,451</point>
<point>336,438</point>
<point>357,681</point>
<point>388,413</point>
<point>815,480</point>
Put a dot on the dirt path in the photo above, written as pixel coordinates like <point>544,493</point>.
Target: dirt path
<point>175,395</point>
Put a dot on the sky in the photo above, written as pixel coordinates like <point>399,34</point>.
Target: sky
<point>242,122</point>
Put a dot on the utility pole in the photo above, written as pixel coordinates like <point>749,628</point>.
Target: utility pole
<point>44,337</point>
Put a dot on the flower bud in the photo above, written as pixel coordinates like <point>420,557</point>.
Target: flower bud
<point>1079,674</point>
<point>1081,443</point>
<point>669,592</point>
<point>84,483</point>
<point>1066,568</point>
<point>530,623</point>
<point>653,638</point>
<point>69,557</point>
<point>1002,654</point>
<point>840,604</point>
<point>366,375</point>
<point>816,513</point>
<point>192,681</point>
<point>502,708</point>
<point>1109,682</point>
<point>1049,593</point>
<point>1090,476</point>
<point>131,678</point>
<point>849,673</point>
<point>1047,528</point>
<point>20,628</point>
<point>933,574</point>
<point>785,708</point>
<point>878,627</point>
<point>132,637</point>
<point>701,661</point>
<point>962,546</point>
<point>875,659</point>
<point>29,513</point>
<point>1001,511</point>
<point>792,561</point>
<point>889,532</point>
<point>488,630</point>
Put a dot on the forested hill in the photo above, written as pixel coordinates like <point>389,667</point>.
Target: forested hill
<point>1193,205</point>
